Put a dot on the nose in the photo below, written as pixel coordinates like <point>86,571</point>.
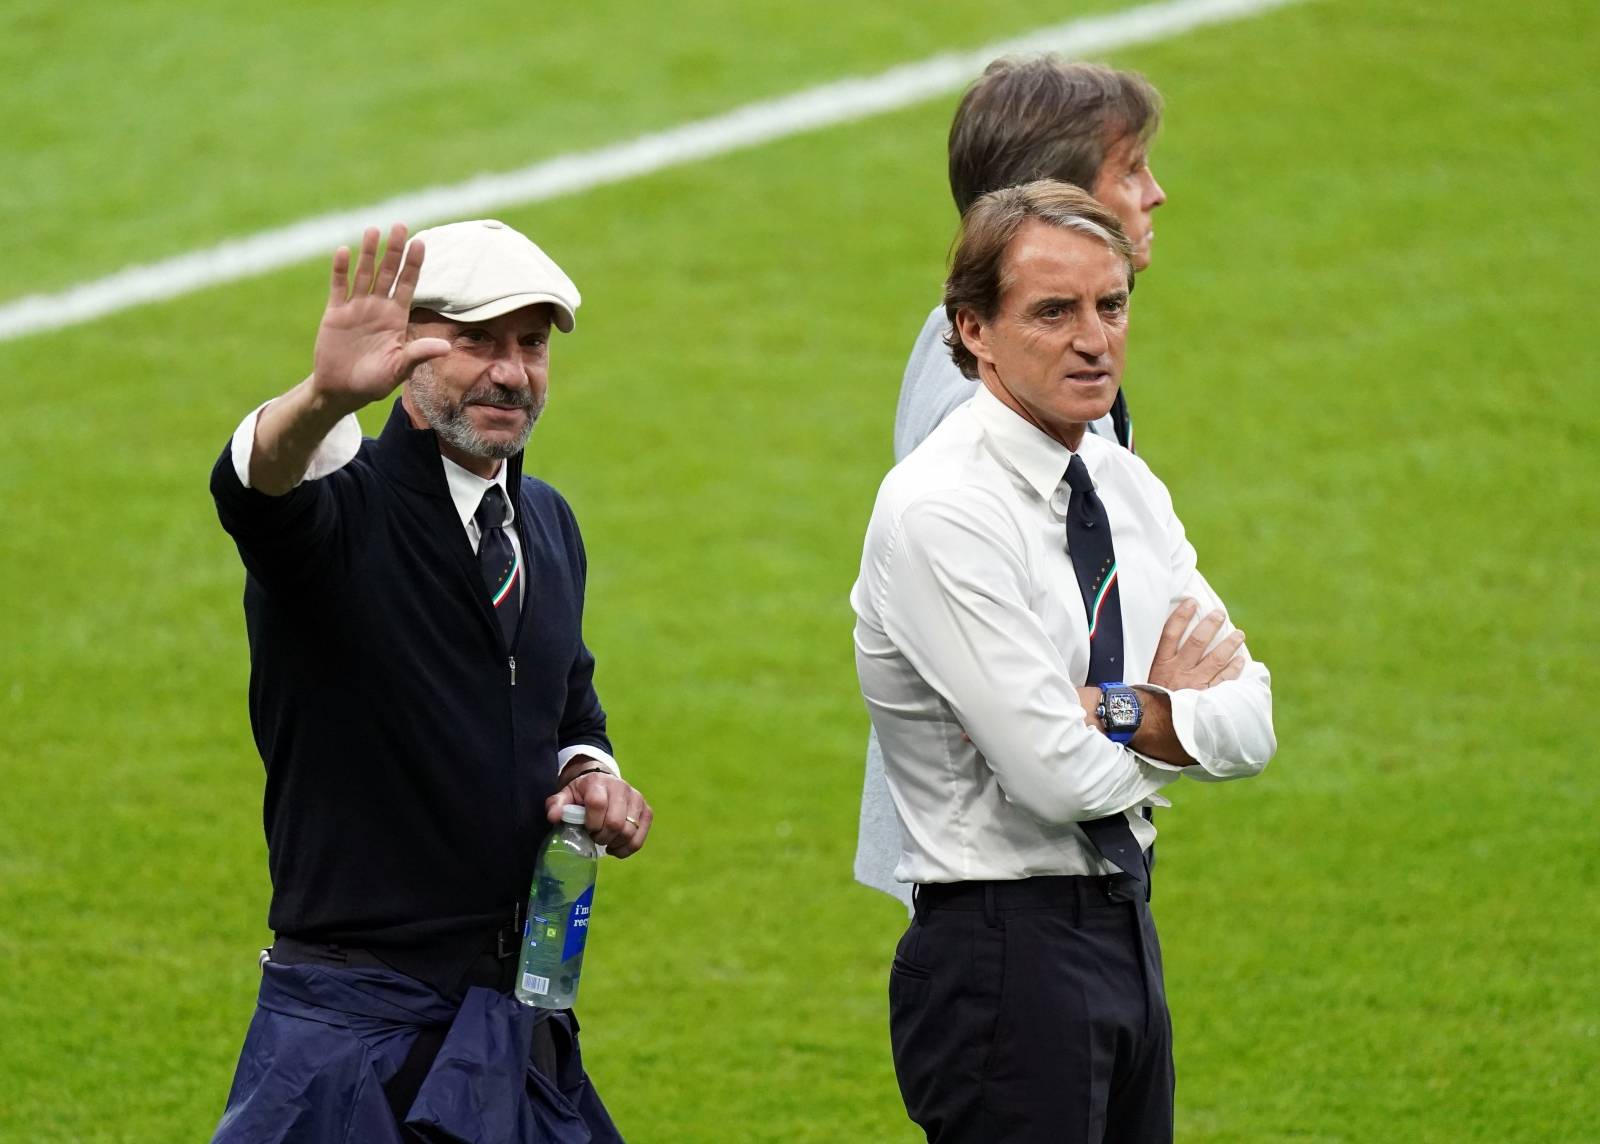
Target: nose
<point>506,368</point>
<point>1090,340</point>
<point>1154,196</point>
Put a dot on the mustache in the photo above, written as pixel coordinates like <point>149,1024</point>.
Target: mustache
<point>500,395</point>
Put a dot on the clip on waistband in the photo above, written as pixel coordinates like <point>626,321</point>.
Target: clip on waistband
<point>508,942</point>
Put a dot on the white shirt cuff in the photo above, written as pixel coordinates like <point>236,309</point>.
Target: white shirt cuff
<point>336,451</point>
<point>600,758</point>
<point>1185,718</point>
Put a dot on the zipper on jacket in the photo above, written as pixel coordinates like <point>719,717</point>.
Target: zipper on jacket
<point>513,661</point>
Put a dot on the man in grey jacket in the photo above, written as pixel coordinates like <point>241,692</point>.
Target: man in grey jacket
<point>1025,118</point>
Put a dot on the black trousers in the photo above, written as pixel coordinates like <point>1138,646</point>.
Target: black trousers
<point>1033,1012</point>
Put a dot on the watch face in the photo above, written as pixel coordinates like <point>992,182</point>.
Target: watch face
<point>1122,709</point>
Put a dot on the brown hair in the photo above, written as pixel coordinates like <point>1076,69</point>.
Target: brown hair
<point>1040,117</point>
<point>978,271</point>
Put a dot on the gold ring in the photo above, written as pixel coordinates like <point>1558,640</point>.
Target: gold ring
<point>633,820</point>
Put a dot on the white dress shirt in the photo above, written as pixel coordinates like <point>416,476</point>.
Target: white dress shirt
<point>340,447</point>
<point>971,642</point>
<point>930,390</point>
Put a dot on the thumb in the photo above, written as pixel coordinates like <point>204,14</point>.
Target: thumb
<point>553,804</point>
<point>413,354</point>
<point>421,350</point>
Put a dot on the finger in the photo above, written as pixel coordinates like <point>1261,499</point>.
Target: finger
<point>1194,648</point>
<point>1172,631</point>
<point>369,252</point>
<point>1233,670</point>
<point>390,266</point>
<point>619,808</point>
<point>595,795</point>
<point>1224,651</point>
<point>339,282</point>
<point>406,285</point>
<point>643,816</point>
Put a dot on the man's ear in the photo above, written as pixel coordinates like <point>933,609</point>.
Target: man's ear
<point>974,333</point>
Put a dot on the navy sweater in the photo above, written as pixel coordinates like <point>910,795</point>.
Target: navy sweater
<point>408,750</point>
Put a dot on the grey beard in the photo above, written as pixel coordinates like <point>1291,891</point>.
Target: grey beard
<point>450,422</point>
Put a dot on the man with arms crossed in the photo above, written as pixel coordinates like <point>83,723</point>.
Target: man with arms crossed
<point>422,697</point>
<point>1024,644</point>
<point>1026,118</point>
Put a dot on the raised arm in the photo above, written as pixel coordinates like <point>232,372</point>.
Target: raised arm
<point>361,356</point>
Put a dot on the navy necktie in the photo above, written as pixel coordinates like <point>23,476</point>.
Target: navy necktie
<point>1094,560</point>
<point>497,559</point>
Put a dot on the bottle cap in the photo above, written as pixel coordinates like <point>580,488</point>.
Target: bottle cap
<point>574,814</point>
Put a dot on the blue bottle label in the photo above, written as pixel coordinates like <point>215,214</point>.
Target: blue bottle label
<point>578,925</point>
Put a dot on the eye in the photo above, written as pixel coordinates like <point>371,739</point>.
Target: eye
<point>1051,313</point>
<point>474,336</point>
<point>1114,306</point>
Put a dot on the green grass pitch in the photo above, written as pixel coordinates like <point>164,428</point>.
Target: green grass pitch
<point>1364,363</point>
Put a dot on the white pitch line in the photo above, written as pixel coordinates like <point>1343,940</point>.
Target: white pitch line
<point>751,125</point>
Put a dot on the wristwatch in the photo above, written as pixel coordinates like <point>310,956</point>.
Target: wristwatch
<point>1119,711</point>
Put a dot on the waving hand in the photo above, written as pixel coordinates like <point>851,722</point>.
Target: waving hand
<point>362,352</point>
<point>361,355</point>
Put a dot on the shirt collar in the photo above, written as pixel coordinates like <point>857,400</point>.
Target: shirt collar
<point>467,489</point>
<point>1036,457</point>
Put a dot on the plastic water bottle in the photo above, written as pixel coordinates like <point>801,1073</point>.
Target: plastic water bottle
<point>560,904</point>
